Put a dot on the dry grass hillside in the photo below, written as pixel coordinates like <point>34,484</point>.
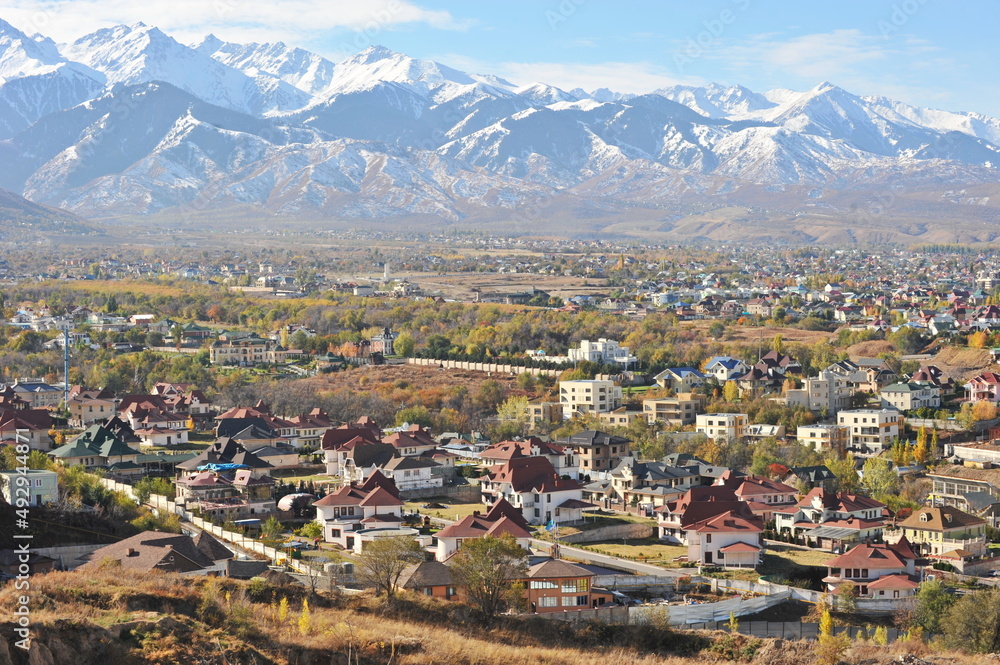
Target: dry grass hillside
<point>118,618</point>
<point>962,363</point>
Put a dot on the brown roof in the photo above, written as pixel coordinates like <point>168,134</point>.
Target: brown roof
<point>152,550</point>
<point>426,574</point>
<point>896,581</point>
<point>557,568</point>
<point>526,474</point>
<point>873,557</point>
<point>944,518</point>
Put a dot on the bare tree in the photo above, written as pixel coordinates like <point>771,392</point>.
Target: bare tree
<point>383,561</point>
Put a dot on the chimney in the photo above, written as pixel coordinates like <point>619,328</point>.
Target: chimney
<point>132,552</point>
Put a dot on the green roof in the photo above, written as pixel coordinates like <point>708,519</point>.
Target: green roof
<point>96,441</point>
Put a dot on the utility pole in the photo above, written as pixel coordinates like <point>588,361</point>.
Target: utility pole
<point>65,366</point>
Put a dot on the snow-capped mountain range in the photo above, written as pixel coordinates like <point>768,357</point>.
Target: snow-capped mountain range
<point>129,121</point>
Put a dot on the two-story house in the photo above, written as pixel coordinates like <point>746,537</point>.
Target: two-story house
<point>532,484</point>
<point>354,513</point>
<point>502,518</point>
<point>597,451</point>
<point>945,530</point>
<point>831,520</point>
<point>879,570</point>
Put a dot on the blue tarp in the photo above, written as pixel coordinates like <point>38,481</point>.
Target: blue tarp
<point>221,467</point>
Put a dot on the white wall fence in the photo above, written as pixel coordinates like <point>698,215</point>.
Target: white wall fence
<point>708,612</point>
<point>238,539</point>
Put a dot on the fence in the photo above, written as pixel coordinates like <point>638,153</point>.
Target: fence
<point>681,615</point>
<point>494,367</point>
<point>791,630</point>
<point>240,540</point>
<point>614,614</point>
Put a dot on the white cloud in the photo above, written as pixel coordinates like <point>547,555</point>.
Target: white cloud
<point>293,21</point>
<point>632,77</point>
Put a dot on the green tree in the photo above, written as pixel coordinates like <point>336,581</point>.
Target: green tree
<point>973,622</point>
<point>404,345</point>
<point>382,563</point>
<point>271,529</point>
<point>486,568</point>
<point>879,478</point>
<point>847,475</point>
<point>932,604</point>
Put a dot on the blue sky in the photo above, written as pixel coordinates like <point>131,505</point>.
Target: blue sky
<point>925,52</point>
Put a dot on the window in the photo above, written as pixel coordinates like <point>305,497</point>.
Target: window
<point>573,586</point>
<point>450,591</point>
<point>544,584</point>
<point>548,602</point>
<point>428,591</point>
<point>708,537</point>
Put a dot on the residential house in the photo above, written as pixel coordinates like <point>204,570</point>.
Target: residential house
<point>697,504</point>
<point>983,386</point>
<point>501,519</point>
<point>532,484</point>
<point>824,436</point>
<point>946,532</point>
<point>246,350</point>
<point>828,392</point>
<point>623,416</point>
<point>152,551</point>
<point>33,487</point>
<point>729,539</point>
<point>810,477</point>
<point>597,451</point>
<point>589,396</point>
<point>358,513</point>
<point>631,475</point>
<point>37,393</point>
<point>680,379</point>
<point>725,368</point>
<point>603,351</point>
<point>562,458</point>
<point>831,520</point>
<point>910,395</point>
<point>412,473</point>
<point>87,407</point>
<point>678,410</point>
<point>555,585</point>
<point>722,426</point>
<point>26,425</point>
<point>96,447</point>
<point>429,578</point>
<point>878,570</point>
<point>871,430</point>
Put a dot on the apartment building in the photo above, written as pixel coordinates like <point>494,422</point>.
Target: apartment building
<point>722,426</point>
<point>593,396</point>
<point>871,430</point>
<point>679,410</point>
<point>823,436</point>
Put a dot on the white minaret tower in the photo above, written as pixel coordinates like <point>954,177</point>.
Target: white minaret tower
<point>385,273</point>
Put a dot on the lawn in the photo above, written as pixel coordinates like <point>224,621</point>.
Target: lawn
<point>596,522</point>
<point>651,550</point>
<point>454,511</point>
<point>290,476</point>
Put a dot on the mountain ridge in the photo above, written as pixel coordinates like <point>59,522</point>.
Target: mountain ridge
<point>382,135</point>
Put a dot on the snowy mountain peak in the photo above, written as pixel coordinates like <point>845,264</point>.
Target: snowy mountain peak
<point>209,45</point>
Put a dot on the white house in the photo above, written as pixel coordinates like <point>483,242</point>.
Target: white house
<point>725,368</point>
<point>871,430</point>
<point>589,396</point>
<point>724,426</point>
<point>412,473</point>
<point>355,514</point>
